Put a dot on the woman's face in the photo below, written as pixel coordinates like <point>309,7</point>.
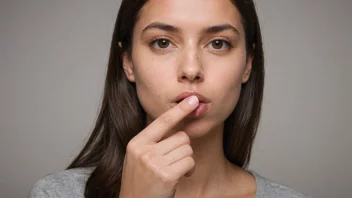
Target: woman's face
<point>189,46</point>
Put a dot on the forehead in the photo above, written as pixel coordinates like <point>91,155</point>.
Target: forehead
<point>190,14</point>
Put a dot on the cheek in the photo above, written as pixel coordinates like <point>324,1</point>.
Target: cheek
<point>153,82</point>
<point>229,94</point>
<point>225,82</point>
<point>148,92</point>
<point>153,74</point>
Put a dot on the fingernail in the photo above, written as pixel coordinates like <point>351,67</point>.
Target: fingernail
<point>193,100</point>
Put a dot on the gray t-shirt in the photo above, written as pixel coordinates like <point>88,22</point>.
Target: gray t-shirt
<point>71,183</point>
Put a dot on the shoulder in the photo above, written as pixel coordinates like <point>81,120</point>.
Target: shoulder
<point>270,189</point>
<point>67,183</point>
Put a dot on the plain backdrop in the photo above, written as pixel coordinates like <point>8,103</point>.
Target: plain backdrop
<point>53,58</point>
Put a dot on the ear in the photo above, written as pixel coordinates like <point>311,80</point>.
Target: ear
<point>248,68</point>
<point>127,65</point>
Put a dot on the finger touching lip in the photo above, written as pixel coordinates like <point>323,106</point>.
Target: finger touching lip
<point>183,95</point>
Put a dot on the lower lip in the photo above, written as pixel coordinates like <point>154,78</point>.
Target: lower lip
<point>201,110</point>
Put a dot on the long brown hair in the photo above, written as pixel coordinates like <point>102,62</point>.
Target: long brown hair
<point>122,117</point>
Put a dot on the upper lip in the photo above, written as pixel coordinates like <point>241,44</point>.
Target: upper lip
<point>186,94</point>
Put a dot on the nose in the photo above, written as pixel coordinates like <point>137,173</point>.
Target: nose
<point>190,68</point>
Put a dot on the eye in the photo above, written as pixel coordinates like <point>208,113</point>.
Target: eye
<point>220,44</point>
<point>160,43</point>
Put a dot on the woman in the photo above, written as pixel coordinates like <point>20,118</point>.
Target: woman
<point>181,107</point>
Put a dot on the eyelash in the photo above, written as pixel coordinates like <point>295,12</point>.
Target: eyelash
<point>154,40</point>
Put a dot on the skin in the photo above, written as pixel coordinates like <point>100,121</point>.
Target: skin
<point>192,60</point>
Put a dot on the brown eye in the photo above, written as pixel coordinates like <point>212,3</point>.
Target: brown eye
<point>217,44</point>
<point>220,45</point>
<point>162,43</point>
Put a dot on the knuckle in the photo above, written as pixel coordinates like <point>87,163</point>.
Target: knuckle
<point>189,150</point>
<point>190,161</point>
<point>145,158</point>
<point>133,148</point>
<point>168,179</point>
<point>130,146</point>
<point>185,138</point>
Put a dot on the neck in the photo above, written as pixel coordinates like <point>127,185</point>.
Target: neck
<point>214,175</point>
<point>211,169</point>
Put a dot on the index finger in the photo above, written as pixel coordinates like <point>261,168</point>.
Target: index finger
<point>164,123</point>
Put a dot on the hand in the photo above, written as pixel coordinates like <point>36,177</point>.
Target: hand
<point>152,165</point>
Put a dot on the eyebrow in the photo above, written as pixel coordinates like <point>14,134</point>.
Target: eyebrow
<point>206,30</point>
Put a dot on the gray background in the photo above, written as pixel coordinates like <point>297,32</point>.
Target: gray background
<point>53,57</point>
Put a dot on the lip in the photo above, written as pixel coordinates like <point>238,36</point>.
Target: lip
<point>200,111</point>
<point>186,94</point>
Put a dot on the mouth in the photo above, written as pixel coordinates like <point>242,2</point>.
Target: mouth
<point>203,107</point>
<point>184,95</point>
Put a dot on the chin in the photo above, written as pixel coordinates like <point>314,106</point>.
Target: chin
<point>198,128</point>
